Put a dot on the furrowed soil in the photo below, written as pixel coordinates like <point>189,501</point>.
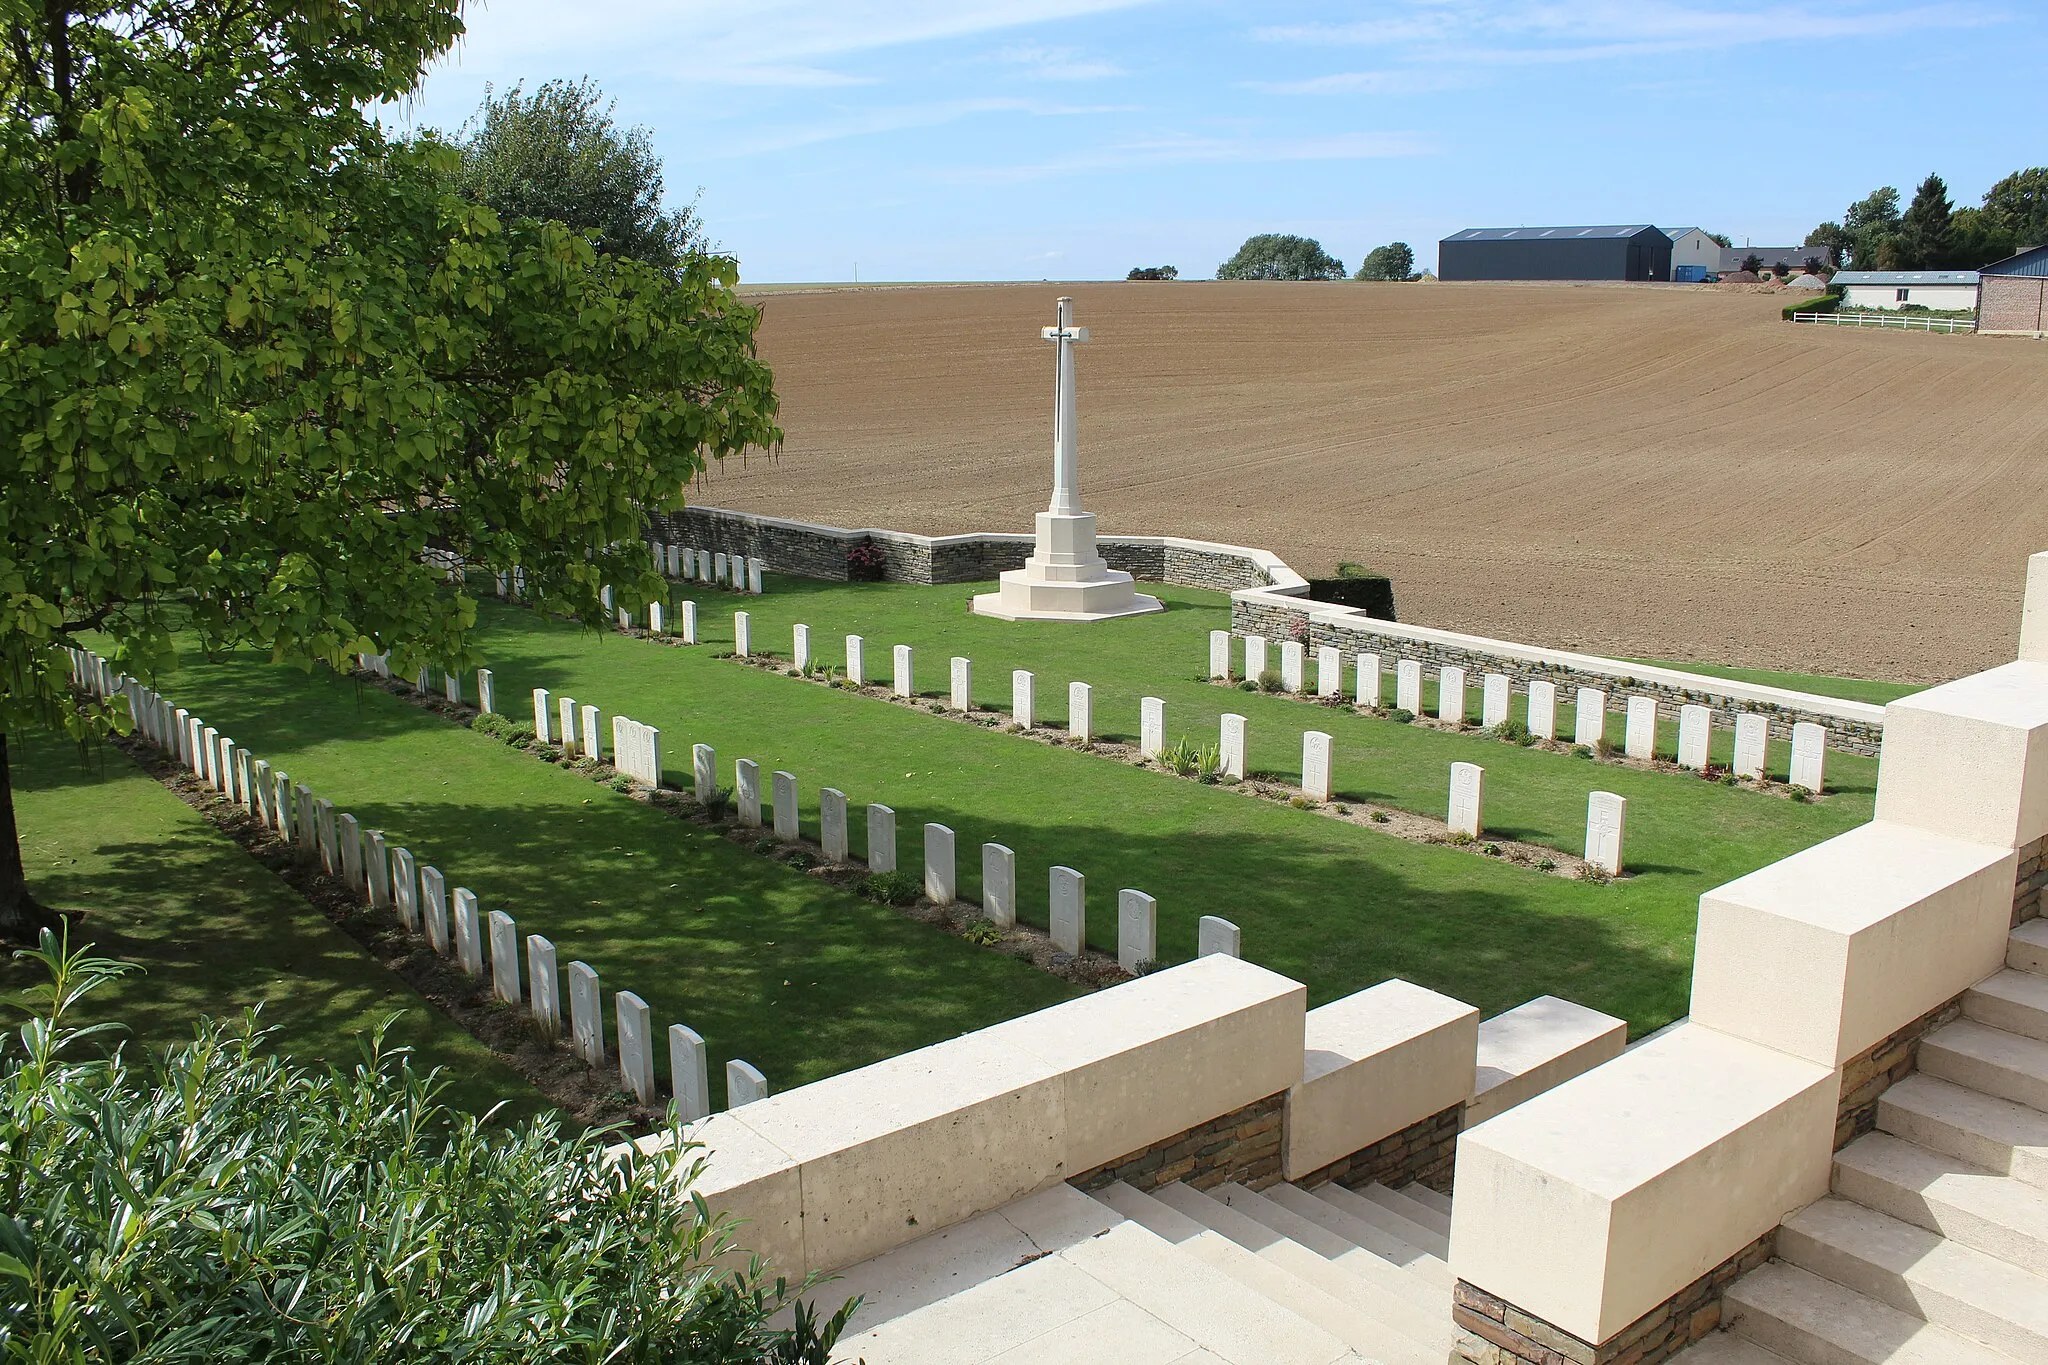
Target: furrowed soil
<point>1667,472</point>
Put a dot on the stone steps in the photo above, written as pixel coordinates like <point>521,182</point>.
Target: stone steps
<point>1814,1321</point>
<point>1989,1059</point>
<point>1996,1134</point>
<point>1370,1210</point>
<point>1423,1194</point>
<point>2013,1000</point>
<point>1922,1274</point>
<point>1725,1348</point>
<point>1374,1240</point>
<point>1414,1210</point>
<point>1994,1214</point>
<point>2027,949</point>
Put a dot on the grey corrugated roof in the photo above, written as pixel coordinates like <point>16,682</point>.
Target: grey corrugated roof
<point>1905,277</point>
<point>1675,233</point>
<point>2032,261</point>
<point>1532,234</point>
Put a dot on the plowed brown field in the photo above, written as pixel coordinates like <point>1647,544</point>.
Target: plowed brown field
<point>1663,472</point>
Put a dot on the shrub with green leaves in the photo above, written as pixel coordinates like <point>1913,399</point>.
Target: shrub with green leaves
<point>216,1203</point>
<point>1269,681</point>
<point>891,888</point>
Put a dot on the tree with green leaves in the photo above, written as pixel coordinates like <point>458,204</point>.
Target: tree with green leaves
<point>1281,256</point>
<point>1394,261</point>
<point>1872,224</point>
<point>1924,227</point>
<point>557,155</point>
<point>256,361</point>
<point>2017,208</point>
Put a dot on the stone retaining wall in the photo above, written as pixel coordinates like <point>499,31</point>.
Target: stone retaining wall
<point>2032,876</point>
<point>1426,1150</point>
<point>1241,1147</point>
<point>1868,1075</point>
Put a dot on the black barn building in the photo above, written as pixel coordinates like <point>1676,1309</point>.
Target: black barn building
<point>1638,252</point>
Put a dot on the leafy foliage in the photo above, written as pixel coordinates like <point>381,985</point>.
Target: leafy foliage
<point>213,1203</point>
<point>1924,228</point>
<point>1153,272</point>
<point>1280,256</point>
<point>1394,261</point>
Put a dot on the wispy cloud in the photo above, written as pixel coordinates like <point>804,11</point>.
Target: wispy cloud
<point>1190,149</point>
<point>898,118</point>
<point>1042,63</point>
<point>1413,80</point>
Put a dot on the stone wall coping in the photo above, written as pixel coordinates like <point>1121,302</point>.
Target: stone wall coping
<point>1961,758</point>
<point>1377,1062</point>
<point>1535,1046</point>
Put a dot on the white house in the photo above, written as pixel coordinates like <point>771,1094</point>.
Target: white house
<point>1690,246</point>
<point>1936,289</point>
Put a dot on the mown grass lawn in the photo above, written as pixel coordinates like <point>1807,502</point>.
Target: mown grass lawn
<point>1848,689</point>
<point>215,932</point>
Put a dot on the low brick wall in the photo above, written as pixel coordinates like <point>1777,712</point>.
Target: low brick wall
<point>1241,1147</point>
<point>2032,876</point>
<point>1498,1333</point>
<point>1426,1150</point>
<point>1868,1075</point>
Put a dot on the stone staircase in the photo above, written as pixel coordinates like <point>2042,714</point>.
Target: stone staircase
<point>1933,1247</point>
<point>1176,1276</point>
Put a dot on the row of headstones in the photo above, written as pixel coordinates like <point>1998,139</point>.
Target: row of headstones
<point>1695,723</point>
<point>636,747</point>
<point>739,572</point>
<point>379,665</point>
<point>389,877</point>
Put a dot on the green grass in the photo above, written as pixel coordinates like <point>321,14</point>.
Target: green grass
<point>766,963</point>
<point>1869,690</point>
<point>215,931</point>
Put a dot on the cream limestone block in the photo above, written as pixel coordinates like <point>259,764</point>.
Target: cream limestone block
<point>757,1182</point>
<point>800,647</point>
<point>744,1084</point>
<point>1468,799</point>
<point>1695,725</point>
<point>689,1073</point>
<point>999,885</point>
<point>1970,758</point>
<point>469,933</point>
<point>592,747</point>
<point>1329,671</point>
<point>1081,711</point>
<point>1752,743</point>
<point>1376,1062</point>
<point>1232,746</point>
<point>742,634</point>
<point>757,576</point>
<point>1594,1203</point>
<point>1291,665</point>
<point>1535,1047</point>
<point>1137,930</point>
<point>1590,721</point>
<point>1368,666</point>
<point>544,985</point>
<point>636,1044</point>
<point>689,623</point>
<point>586,1013</point>
<point>881,838</point>
<point>856,661</point>
<point>1254,656</point>
<point>1067,895</point>
<point>378,870</point>
<point>704,770</point>
<point>832,824</point>
<point>1151,726</point>
<point>655,623</point>
<point>434,908</point>
<point>1494,700</point>
<point>1315,765</point>
<point>2034,615</point>
<point>1022,697</point>
<point>941,872</point>
<point>1639,739</point>
<point>1543,709</point>
<point>504,958</point>
<point>1450,694</point>
<point>961,692</point>
<point>1827,952</point>
<point>902,683</point>
<point>1219,654</point>
<point>565,715</point>
<point>783,791</point>
<point>746,791</point>
<point>1215,936</point>
<point>1408,686</point>
<point>1606,825</point>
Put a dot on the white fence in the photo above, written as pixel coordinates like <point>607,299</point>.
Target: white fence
<point>1886,320</point>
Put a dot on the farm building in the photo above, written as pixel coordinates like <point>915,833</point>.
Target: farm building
<point>1792,257</point>
<point>2012,294</point>
<point>1694,255</point>
<point>1638,252</point>
<point>1936,289</point>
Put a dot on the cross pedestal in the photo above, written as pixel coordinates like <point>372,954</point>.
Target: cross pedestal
<point>1065,579</point>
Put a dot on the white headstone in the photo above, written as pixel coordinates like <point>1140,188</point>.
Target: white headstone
<point>901,681</point>
<point>1695,723</point>
<point>689,623</point>
<point>1752,744</point>
<point>606,597</point>
<point>832,824</point>
<point>486,700</point>
<point>505,958</point>
<point>744,1084</point>
<point>469,932</point>
<point>940,872</point>
<point>636,1044</point>
<point>1329,671</point>
<point>718,574</point>
<point>1213,934</point>
<point>1606,817</point>
<point>1022,694</point>
<point>1069,913</point>
<point>544,985</point>
<point>434,908</point>
<point>1450,694</point>
<point>377,870</point>
<point>1639,739</point>
<point>757,576</point>
<point>228,751</point>
<point>1232,746</point>
<point>1589,721</point>
<point>704,770</point>
<point>1493,703</point>
<point>737,566</point>
<point>1219,654</point>
<point>1368,667</point>
<point>586,1013</point>
<point>675,561</point>
<point>1408,686</point>
<point>689,1073</point>
<point>451,682</point>
<point>1254,656</point>
<point>655,624</point>
<point>209,757</point>
<point>1809,755</point>
<point>1468,799</point>
<point>245,779</point>
<point>1137,930</point>
<point>706,572</point>
<point>742,635</point>
<point>348,833</point>
<point>305,822</point>
<point>1152,726</point>
<point>405,888</point>
<point>592,748</point>
<point>881,838</point>
<point>784,792</point>
<point>800,647</point>
<point>1315,765</point>
<point>1543,709</point>
<point>324,836</point>
<point>856,661</point>
<point>746,787</point>
<point>999,885</point>
<point>565,722</point>
<point>961,697</point>
<point>1081,711</point>
<point>283,808</point>
<point>1291,665</point>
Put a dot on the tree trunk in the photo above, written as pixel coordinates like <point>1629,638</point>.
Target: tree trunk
<point>22,918</point>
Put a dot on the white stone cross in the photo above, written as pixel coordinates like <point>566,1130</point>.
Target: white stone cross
<point>1066,454</point>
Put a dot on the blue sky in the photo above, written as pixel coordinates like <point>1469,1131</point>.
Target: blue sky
<point>1073,139</point>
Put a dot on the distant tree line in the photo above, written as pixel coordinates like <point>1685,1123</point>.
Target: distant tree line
<point>1284,256</point>
<point>1932,234</point>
